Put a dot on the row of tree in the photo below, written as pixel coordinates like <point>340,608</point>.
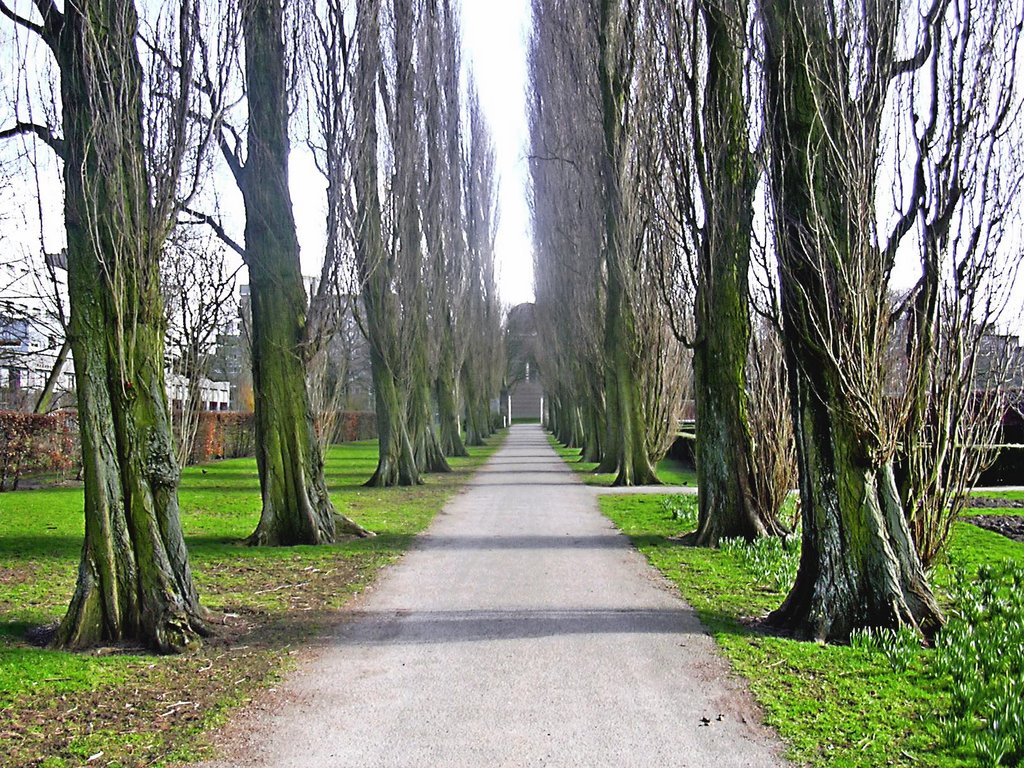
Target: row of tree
<point>147,113</point>
<point>846,170</point>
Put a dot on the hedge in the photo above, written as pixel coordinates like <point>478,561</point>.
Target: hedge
<point>33,443</point>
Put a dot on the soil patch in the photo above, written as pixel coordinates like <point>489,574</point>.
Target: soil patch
<point>1011,526</point>
<point>994,502</point>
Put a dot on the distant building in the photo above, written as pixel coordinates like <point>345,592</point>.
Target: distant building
<point>523,398</point>
<point>28,352</point>
<point>213,395</point>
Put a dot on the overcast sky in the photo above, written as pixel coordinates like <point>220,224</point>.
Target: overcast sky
<point>495,34</point>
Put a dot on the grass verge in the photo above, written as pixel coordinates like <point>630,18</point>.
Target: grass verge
<point>850,706</point>
<point>124,707</point>
<point>670,471</point>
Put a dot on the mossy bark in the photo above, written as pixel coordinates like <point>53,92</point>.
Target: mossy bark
<point>134,580</point>
<point>634,465</point>
<point>396,464</point>
<point>725,483</point>
<point>477,417</point>
<point>593,417</point>
<point>425,443</point>
<point>448,402</point>
<point>858,567</point>
<point>406,141</point>
<point>296,506</point>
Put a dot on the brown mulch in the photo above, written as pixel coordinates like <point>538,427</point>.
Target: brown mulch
<point>1010,526</point>
<point>165,701</point>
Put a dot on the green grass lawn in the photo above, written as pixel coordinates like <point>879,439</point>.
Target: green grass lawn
<point>60,709</point>
<point>670,471</point>
<point>1007,495</point>
<point>834,705</point>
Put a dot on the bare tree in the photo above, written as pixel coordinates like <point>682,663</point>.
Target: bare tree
<point>296,505</point>
<point>709,173</point>
<point>376,269</point>
<point>774,456</point>
<point>568,198</point>
<point>843,92</point>
<point>134,580</point>
<point>964,132</point>
<point>443,224</point>
<point>482,365</point>
<point>198,290</point>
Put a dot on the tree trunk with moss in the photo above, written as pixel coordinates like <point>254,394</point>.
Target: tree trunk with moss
<point>448,401</point>
<point>724,451</point>
<point>134,580</point>
<point>406,139</point>
<point>477,427</point>
<point>593,418</point>
<point>634,462</point>
<point>396,464</point>
<point>296,506</point>
<point>858,566</point>
<point>634,465</point>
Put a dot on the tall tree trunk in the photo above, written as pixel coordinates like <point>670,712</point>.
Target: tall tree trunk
<point>476,426</point>
<point>448,403</point>
<point>296,506</point>
<point>425,443</point>
<point>396,464</point>
<point>630,449</point>
<point>612,427</point>
<point>406,141</point>
<point>634,461</point>
<point>594,422</point>
<point>858,566</point>
<point>134,579</point>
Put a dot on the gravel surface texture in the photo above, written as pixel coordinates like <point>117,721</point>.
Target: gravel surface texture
<point>522,630</point>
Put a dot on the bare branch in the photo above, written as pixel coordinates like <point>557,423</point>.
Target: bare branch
<point>21,21</point>
<point>215,225</point>
<point>39,131</point>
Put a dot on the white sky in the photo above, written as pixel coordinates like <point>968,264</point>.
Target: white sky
<point>495,36</point>
<point>495,33</point>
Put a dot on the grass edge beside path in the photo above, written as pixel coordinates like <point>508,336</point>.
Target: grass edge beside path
<point>852,706</point>
<point>670,471</point>
<point>125,707</point>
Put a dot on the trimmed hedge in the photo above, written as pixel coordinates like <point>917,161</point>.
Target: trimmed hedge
<point>32,443</point>
<point>350,426</point>
<point>223,435</point>
<point>232,434</point>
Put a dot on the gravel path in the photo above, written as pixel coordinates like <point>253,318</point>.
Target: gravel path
<point>522,630</point>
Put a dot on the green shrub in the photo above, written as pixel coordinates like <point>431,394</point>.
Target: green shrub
<point>32,443</point>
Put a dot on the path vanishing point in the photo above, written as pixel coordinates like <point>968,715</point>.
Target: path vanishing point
<point>521,630</point>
